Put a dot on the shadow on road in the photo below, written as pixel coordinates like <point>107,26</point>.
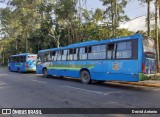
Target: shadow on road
<point>107,84</point>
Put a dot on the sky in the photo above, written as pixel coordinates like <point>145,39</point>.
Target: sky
<point>133,8</point>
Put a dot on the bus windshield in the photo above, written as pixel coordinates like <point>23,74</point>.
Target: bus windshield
<point>149,48</point>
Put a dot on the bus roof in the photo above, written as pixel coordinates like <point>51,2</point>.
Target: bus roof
<point>24,54</point>
<point>93,42</point>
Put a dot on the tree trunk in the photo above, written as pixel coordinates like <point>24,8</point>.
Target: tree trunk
<point>112,14</point>
<point>148,18</point>
<point>26,40</point>
<point>156,32</point>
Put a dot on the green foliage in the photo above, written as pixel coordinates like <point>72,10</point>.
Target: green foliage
<point>115,13</point>
<point>32,25</point>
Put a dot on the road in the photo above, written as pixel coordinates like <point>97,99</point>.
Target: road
<point>29,90</point>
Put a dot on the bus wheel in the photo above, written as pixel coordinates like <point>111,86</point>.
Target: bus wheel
<point>45,73</point>
<point>85,77</point>
<point>9,68</point>
<point>18,70</point>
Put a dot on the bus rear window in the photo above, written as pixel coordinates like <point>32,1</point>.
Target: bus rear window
<point>149,48</point>
<point>149,45</point>
<point>150,55</point>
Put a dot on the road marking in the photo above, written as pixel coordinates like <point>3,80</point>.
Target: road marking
<point>3,83</point>
<point>39,81</point>
<point>84,90</point>
<point>112,92</point>
<point>3,74</point>
<point>39,74</point>
<point>103,93</point>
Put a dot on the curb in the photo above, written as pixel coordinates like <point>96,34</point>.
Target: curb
<point>137,83</point>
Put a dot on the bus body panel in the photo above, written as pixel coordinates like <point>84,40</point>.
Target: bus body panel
<point>107,72</point>
<point>31,63</point>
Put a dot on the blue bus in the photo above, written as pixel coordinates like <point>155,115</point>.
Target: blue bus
<point>129,58</point>
<point>22,62</point>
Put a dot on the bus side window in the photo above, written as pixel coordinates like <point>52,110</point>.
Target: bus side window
<point>59,55</point>
<point>20,58</point>
<point>13,59</point>
<point>46,56</point>
<point>55,56</point>
<point>71,52</point>
<point>124,50</point>
<point>39,57</point>
<point>75,55</point>
<point>83,53</point>
<point>49,56</point>
<point>98,52</point>
<point>65,55</point>
<point>110,51</point>
<point>17,58</point>
<point>24,58</point>
<point>52,55</point>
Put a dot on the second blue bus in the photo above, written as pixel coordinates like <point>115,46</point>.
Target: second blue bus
<point>23,62</point>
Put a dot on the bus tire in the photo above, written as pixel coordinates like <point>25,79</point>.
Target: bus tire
<point>9,68</point>
<point>85,77</point>
<point>45,73</point>
<point>18,70</point>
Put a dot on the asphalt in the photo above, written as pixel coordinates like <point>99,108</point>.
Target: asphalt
<point>29,90</point>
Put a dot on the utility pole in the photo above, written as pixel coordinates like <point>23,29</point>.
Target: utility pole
<point>156,31</point>
<point>148,18</point>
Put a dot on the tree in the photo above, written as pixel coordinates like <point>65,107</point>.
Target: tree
<point>65,17</point>
<point>156,30</point>
<point>114,13</point>
<point>19,19</point>
<point>148,15</point>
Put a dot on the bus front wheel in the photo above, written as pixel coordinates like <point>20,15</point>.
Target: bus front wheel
<point>18,70</point>
<point>45,73</point>
<point>9,68</point>
<point>85,77</point>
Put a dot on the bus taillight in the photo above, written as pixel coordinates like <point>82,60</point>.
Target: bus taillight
<point>143,68</point>
<point>26,65</point>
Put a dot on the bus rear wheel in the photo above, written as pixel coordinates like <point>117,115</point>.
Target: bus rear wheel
<point>18,70</point>
<point>9,68</point>
<point>85,77</point>
<point>45,73</point>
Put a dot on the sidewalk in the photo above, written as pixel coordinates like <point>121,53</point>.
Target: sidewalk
<point>148,83</point>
